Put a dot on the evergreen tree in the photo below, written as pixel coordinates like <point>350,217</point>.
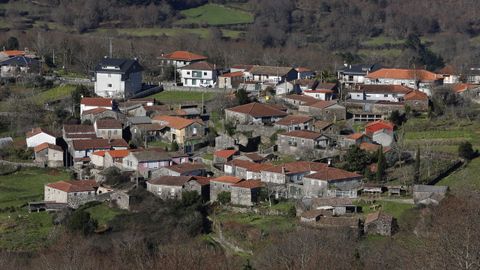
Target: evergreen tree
<point>416,174</point>
<point>381,164</point>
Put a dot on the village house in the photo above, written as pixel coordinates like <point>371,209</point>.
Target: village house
<point>354,139</point>
<point>450,74</point>
<point>183,169</point>
<point>254,113</point>
<point>321,94</point>
<point>98,113</point>
<point>384,137</point>
<point>245,169</point>
<point>81,150</point>
<point>295,122</point>
<point>119,144</point>
<point>375,126</point>
<point>325,110</point>
<point>114,158</point>
<point>224,156</point>
<point>304,73</point>
<point>325,127</point>
<point>292,172</point>
<point>230,80</point>
<point>296,100</point>
<point>383,92</point>
<point>18,66</point>
<point>89,103</point>
<point>355,74</point>
<point>78,132</point>
<point>335,206</point>
<point>108,128</point>
<point>38,136</point>
<point>380,223</point>
<point>180,59</point>
<point>284,88</point>
<point>302,142</point>
<point>417,101</point>
<point>73,193</point>
<point>418,79</point>
<point>132,108</point>
<point>254,157</point>
<point>222,184</point>
<point>119,78</point>
<point>6,54</point>
<point>199,74</point>
<point>149,132</point>
<point>168,187</point>
<point>186,132</point>
<point>97,159</point>
<point>272,74</point>
<point>246,193</point>
<point>49,154</point>
<point>330,178</point>
<point>146,161</point>
<point>199,184</point>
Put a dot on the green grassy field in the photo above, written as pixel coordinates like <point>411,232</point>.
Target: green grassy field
<point>213,14</point>
<point>396,209</point>
<point>466,178</point>
<point>171,32</point>
<point>382,41</point>
<point>20,230</point>
<point>55,93</point>
<point>180,96</point>
<point>103,214</point>
<point>386,53</point>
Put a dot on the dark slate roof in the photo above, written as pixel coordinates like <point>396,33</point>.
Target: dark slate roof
<point>20,61</point>
<point>123,66</point>
<point>360,69</point>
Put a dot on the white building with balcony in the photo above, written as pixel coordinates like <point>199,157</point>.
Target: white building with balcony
<point>199,74</point>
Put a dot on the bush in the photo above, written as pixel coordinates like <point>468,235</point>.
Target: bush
<point>224,197</point>
<point>81,221</point>
<point>465,150</point>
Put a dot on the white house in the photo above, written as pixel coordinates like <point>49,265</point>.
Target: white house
<point>90,103</point>
<point>199,74</point>
<point>98,159</point>
<point>120,78</point>
<point>18,65</point>
<point>37,136</point>
<point>391,93</point>
<point>74,193</point>
<point>272,74</point>
<point>321,94</point>
<point>180,58</point>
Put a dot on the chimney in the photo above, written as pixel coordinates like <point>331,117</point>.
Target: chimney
<point>283,170</point>
<point>329,162</point>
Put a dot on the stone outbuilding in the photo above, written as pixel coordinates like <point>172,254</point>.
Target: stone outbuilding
<point>246,192</point>
<point>380,223</point>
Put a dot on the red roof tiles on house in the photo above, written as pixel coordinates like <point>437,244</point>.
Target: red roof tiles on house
<point>100,102</point>
<point>225,153</point>
<point>170,180</point>
<point>12,53</point>
<point>118,153</point>
<point>250,184</point>
<point>333,174</point>
<point>44,146</point>
<point>227,179</point>
<point>416,95</point>
<point>374,126</point>
<point>91,144</point>
<point>184,56</point>
<point>256,110</point>
<point>36,131</point>
<point>232,74</point>
<point>74,185</point>
<point>294,120</point>
<point>404,74</point>
<point>320,91</point>
<point>301,98</point>
<point>108,124</point>
<point>203,65</point>
<point>305,134</point>
<point>118,143</point>
<point>355,136</point>
<point>297,167</point>
<point>380,88</point>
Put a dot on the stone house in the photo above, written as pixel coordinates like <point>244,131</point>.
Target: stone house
<point>272,74</point>
<point>180,59</point>
<point>325,110</point>
<point>292,172</point>
<point>222,184</point>
<point>254,113</point>
<point>320,94</point>
<point>325,127</point>
<point>114,158</point>
<point>380,223</point>
<point>49,154</point>
<point>296,100</point>
<point>90,103</point>
<point>230,80</point>
<point>354,139</point>
<point>98,113</point>
<point>183,131</point>
<point>224,156</point>
<point>317,184</point>
<point>302,142</point>
<point>417,101</point>
<point>254,157</point>
<point>184,169</point>
<point>146,161</point>
<point>246,193</point>
<point>81,150</point>
<point>390,93</point>
<point>74,193</point>
<point>97,159</point>
<point>225,141</point>
<point>295,122</point>
<point>167,187</point>
<point>38,136</point>
<point>108,128</point>
<point>245,169</point>
<point>133,108</point>
<point>78,132</point>
<point>201,185</point>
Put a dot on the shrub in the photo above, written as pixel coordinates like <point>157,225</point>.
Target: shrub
<point>465,150</point>
<point>224,197</point>
<point>81,221</point>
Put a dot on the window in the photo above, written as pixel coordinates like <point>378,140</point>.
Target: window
<point>188,72</point>
<point>109,85</point>
<point>204,73</point>
<point>386,95</point>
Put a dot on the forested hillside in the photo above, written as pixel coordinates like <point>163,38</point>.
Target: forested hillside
<point>322,34</point>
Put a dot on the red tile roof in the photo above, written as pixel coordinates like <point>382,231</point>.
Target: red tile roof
<point>118,143</point>
<point>11,53</point>
<point>416,95</point>
<point>380,88</point>
<point>333,174</point>
<point>100,102</point>
<point>320,91</point>
<point>224,153</point>
<point>371,127</point>
<point>404,74</point>
<point>184,56</point>
<point>232,74</point>
<point>36,131</point>
<point>203,181</point>
<point>99,153</point>
<point>461,87</point>
<point>305,134</point>
<point>203,65</point>
<point>74,185</point>
<point>227,179</point>
<point>90,144</point>
<point>355,136</point>
<point>95,111</point>
<point>44,146</point>
<point>321,104</point>
<point>250,184</point>
<point>294,120</point>
<point>170,180</point>
<point>319,124</point>
<point>301,98</point>
<point>175,122</point>
<point>255,109</point>
<point>118,153</point>
<point>108,124</point>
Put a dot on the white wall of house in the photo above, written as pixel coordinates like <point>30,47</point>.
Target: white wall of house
<point>97,161</point>
<point>392,97</point>
<point>109,133</point>
<point>198,78</point>
<point>39,139</point>
<point>389,81</point>
<point>84,107</point>
<point>112,85</point>
<point>383,138</point>
<point>55,195</point>
<point>130,162</point>
<point>320,96</point>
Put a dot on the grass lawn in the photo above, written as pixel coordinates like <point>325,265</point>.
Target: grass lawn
<point>159,144</point>
<point>20,230</point>
<point>265,223</point>
<point>466,178</point>
<point>103,214</point>
<point>55,93</point>
<point>382,41</point>
<point>396,209</point>
<point>213,14</point>
<point>385,53</point>
<point>180,96</point>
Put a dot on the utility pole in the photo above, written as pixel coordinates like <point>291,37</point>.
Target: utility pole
<point>53,57</point>
<point>110,51</point>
